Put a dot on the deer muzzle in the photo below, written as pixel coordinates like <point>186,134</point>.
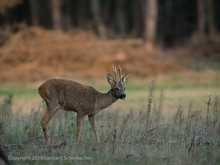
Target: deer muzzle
<point>123,96</point>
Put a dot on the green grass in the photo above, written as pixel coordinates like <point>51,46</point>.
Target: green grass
<point>206,64</point>
<point>17,91</point>
<point>203,79</point>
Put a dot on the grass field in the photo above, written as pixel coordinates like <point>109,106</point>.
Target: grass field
<point>173,120</point>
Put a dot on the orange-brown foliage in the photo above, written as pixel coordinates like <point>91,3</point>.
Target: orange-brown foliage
<point>36,53</point>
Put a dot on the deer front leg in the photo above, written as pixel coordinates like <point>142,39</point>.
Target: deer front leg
<point>79,126</point>
<point>93,124</point>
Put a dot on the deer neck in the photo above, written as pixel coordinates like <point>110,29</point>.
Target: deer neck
<point>104,100</point>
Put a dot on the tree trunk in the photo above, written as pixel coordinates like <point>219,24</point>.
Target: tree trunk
<point>135,17</point>
<point>151,12</point>
<point>201,19</point>
<point>120,18</point>
<point>97,19</point>
<point>210,16</point>
<point>34,16</point>
<point>56,14</point>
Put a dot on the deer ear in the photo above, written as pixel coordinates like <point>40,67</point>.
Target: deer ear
<point>124,79</point>
<point>110,79</point>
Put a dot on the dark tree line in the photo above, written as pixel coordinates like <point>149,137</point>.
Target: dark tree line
<point>164,21</point>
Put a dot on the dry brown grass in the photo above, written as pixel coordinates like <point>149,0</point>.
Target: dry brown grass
<point>36,53</point>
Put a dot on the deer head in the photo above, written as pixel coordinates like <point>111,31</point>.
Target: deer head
<point>117,83</point>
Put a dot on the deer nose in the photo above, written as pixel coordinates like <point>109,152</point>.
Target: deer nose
<point>123,96</point>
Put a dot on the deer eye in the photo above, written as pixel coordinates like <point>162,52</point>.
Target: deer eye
<point>117,89</point>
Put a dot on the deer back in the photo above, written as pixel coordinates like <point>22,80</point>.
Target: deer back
<point>70,95</point>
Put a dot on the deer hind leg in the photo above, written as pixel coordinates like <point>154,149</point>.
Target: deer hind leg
<point>79,126</point>
<point>47,117</point>
<point>93,124</point>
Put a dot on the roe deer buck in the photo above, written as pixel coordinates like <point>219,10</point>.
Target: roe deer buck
<point>84,100</point>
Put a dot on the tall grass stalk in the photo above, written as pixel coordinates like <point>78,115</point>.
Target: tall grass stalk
<point>151,90</point>
<point>160,107</point>
<point>189,117</point>
<point>178,118</point>
<point>216,111</point>
<point>208,108</point>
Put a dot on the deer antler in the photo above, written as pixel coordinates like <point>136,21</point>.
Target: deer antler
<point>120,72</point>
<point>115,73</point>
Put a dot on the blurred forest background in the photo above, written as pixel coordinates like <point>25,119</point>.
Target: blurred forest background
<point>41,38</point>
